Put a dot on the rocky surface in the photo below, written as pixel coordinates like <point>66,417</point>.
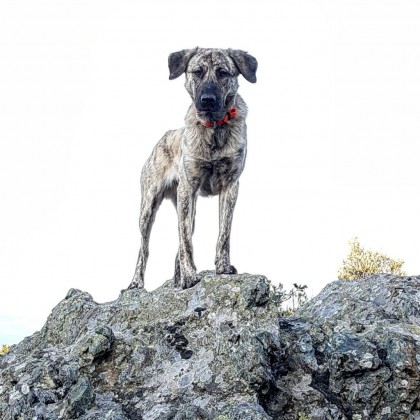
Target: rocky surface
<point>220,351</point>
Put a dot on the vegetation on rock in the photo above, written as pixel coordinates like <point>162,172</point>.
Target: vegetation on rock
<point>361,263</point>
<point>290,301</point>
<point>4,349</point>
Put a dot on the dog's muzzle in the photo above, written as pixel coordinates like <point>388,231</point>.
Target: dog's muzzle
<point>209,99</point>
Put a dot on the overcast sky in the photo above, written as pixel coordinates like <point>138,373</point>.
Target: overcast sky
<point>333,135</point>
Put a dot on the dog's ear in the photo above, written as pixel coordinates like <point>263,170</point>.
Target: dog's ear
<point>178,62</point>
<point>246,64</point>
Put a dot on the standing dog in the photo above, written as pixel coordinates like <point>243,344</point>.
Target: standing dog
<point>205,157</point>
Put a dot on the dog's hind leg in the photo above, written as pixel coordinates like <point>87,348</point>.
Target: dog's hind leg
<point>177,272</point>
<point>172,194</point>
<point>150,203</point>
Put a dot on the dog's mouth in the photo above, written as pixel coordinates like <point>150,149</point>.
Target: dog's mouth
<point>210,115</point>
<point>215,115</point>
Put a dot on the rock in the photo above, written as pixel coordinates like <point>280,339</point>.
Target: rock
<point>79,399</point>
<point>221,351</point>
<point>96,345</point>
<point>255,290</point>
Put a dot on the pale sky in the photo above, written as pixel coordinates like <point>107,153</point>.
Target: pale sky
<point>333,141</point>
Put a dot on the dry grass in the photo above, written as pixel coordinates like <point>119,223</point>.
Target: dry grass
<point>4,349</point>
<point>361,263</point>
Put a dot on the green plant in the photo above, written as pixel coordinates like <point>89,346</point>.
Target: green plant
<point>288,301</point>
<point>4,349</point>
<point>361,263</point>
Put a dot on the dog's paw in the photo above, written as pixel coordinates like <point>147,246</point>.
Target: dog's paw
<point>190,281</point>
<point>227,269</point>
<point>136,284</point>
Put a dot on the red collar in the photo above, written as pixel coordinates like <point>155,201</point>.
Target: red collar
<point>232,113</point>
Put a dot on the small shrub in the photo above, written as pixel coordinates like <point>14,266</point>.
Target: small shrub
<point>4,349</point>
<point>361,263</point>
<point>290,301</point>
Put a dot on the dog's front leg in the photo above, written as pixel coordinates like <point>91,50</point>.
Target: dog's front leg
<point>186,200</point>
<point>227,201</point>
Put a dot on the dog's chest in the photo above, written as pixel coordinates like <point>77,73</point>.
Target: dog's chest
<point>212,176</point>
<point>212,161</point>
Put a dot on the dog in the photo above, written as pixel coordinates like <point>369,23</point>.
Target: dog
<point>206,157</point>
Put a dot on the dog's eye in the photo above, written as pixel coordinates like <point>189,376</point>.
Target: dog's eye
<point>198,73</point>
<point>222,73</point>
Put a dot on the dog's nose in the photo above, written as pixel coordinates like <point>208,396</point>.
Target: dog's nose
<point>208,99</point>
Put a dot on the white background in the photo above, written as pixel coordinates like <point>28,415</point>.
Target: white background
<point>84,96</point>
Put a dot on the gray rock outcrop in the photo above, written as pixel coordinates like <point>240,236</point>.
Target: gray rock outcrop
<point>221,351</point>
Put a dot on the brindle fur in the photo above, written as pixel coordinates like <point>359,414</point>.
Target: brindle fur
<point>196,159</point>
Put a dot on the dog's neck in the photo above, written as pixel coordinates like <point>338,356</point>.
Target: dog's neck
<point>236,114</point>
<point>230,115</point>
<point>218,136</point>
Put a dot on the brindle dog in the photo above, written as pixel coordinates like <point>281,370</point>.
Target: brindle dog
<point>205,157</point>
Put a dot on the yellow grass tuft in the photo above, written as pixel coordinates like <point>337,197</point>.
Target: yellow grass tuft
<point>4,349</point>
<point>361,263</point>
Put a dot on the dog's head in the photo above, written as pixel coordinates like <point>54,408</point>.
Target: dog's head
<point>212,77</point>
